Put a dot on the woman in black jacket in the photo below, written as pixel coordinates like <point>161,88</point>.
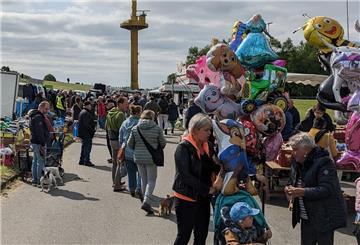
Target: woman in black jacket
<point>315,192</point>
<point>193,184</point>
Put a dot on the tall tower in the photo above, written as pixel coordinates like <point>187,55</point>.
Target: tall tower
<point>134,24</point>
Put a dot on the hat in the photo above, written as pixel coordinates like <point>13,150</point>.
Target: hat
<point>240,210</point>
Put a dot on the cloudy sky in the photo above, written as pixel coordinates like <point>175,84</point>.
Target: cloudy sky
<point>82,40</point>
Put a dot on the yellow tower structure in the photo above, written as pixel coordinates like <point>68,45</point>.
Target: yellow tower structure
<point>134,24</point>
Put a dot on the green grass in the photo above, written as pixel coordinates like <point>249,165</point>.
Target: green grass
<point>68,86</point>
<point>7,172</point>
<point>63,86</point>
<point>303,105</point>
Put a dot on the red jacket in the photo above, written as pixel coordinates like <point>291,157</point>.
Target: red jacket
<point>101,110</point>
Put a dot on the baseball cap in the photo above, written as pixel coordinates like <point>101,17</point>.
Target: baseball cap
<point>240,210</point>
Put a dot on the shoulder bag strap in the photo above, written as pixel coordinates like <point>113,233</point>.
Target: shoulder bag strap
<point>148,146</point>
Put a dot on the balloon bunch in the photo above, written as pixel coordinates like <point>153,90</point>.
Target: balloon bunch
<point>242,86</point>
<point>340,58</point>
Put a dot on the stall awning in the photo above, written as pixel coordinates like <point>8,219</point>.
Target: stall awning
<point>190,88</point>
<point>306,79</point>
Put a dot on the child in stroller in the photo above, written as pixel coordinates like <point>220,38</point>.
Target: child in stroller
<point>238,220</point>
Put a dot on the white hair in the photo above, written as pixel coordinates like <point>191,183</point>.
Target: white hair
<point>199,121</point>
<point>302,140</point>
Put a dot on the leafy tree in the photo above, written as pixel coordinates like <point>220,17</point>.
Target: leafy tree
<point>49,77</point>
<point>5,68</point>
<point>171,78</point>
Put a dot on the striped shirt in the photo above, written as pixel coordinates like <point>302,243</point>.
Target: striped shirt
<point>303,213</point>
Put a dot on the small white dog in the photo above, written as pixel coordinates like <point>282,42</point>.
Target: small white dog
<point>47,180</point>
<point>56,173</point>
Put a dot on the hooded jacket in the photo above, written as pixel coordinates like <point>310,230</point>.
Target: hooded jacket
<point>39,131</point>
<point>114,119</point>
<point>124,134</point>
<point>153,135</point>
<point>323,201</point>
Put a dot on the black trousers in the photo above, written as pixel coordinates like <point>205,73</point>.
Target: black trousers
<point>86,145</point>
<point>192,216</point>
<point>309,236</point>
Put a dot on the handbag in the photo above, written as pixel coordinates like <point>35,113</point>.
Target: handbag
<point>122,170</point>
<point>156,154</point>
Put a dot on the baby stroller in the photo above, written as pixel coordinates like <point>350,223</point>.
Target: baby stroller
<point>54,151</point>
<point>220,222</point>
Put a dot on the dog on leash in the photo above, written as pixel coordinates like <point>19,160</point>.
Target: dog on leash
<point>47,180</point>
<point>55,171</point>
<point>166,205</point>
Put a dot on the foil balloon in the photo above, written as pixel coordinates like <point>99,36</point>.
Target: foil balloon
<point>321,28</point>
<point>255,51</point>
<point>221,58</point>
<point>238,35</point>
<point>352,135</point>
<point>273,146</point>
<point>250,136</point>
<point>231,141</point>
<point>230,86</point>
<point>268,119</point>
<point>191,74</point>
<point>205,75</point>
<point>281,63</point>
<point>211,101</point>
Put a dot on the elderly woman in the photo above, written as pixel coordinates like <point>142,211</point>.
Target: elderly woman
<point>315,192</point>
<point>142,157</point>
<point>193,184</point>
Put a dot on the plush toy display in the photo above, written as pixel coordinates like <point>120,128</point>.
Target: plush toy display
<point>255,50</point>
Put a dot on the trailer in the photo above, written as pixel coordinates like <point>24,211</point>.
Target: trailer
<point>8,90</point>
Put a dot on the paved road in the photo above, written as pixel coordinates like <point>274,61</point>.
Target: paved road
<point>87,211</point>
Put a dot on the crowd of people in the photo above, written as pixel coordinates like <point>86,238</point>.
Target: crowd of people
<point>133,123</point>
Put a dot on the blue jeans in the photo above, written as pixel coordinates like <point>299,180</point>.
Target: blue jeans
<point>102,122</point>
<point>134,179</point>
<point>86,144</point>
<point>37,163</point>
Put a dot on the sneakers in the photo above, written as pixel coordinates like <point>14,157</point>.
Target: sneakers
<point>146,207</point>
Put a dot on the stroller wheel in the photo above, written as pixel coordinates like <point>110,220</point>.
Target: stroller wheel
<point>61,172</point>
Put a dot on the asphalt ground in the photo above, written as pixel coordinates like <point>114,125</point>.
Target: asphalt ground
<point>87,211</point>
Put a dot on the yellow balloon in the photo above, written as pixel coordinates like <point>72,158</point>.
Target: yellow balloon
<point>329,29</point>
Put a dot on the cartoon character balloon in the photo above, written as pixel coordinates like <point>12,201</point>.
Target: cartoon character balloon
<point>221,58</point>
<point>268,119</point>
<point>255,50</point>
<point>201,73</point>
<point>211,101</point>
<point>238,35</point>
<point>326,28</point>
<point>273,146</point>
<point>352,135</point>
<point>250,136</point>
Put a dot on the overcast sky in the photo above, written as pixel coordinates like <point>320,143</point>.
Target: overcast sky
<point>82,40</point>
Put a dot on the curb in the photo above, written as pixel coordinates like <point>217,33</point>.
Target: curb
<point>14,177</point>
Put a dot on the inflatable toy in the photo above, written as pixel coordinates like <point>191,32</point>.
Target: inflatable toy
<point>255,50</point>
<point>250,136</point>
<point>268,119</point>
<point>211,101</point>
<point>272,146</point>
<point>238,35</point>
<point>202,74</point>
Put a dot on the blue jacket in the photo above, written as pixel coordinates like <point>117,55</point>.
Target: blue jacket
<point>124,133</point>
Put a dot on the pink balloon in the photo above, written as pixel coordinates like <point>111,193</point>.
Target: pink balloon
<point>272,146</point>
<point>281,63</point>
<point>206,76</point>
